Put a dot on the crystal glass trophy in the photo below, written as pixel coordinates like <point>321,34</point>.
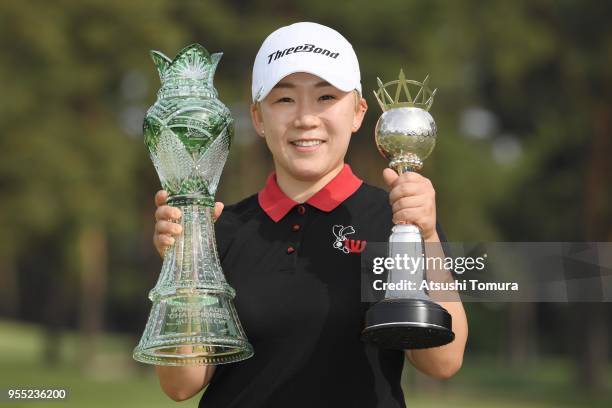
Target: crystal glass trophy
<point>188,133</point>
<point>406,135</point>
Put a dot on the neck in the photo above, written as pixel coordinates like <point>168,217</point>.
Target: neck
<point>301,190</point>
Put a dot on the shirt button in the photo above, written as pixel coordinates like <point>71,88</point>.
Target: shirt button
<point>296,227</point>
<point>290,250</point>
<point>301,210</point>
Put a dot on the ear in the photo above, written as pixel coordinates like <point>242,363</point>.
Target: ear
<point>362,107</point>
<point>257,119</point>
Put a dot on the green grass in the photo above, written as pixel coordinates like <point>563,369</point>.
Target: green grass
<point>487,382</point>
<point>111,380</point>
<point>114,380</point>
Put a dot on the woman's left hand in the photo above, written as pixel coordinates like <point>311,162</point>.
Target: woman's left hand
<point>413,201</point>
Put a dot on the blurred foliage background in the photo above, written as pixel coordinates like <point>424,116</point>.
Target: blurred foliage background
<point>524,109</point>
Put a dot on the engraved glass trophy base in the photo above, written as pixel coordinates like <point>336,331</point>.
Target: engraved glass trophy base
<point>193,329</point>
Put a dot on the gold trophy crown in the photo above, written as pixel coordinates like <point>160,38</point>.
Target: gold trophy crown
<point>423,98</point>
<point>405,132</point>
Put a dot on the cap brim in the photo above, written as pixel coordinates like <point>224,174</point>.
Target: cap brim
<point>339,82</point>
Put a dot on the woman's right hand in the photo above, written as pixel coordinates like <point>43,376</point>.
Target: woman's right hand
<point>166,222</point>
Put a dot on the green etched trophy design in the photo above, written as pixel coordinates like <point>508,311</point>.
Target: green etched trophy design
<point>406,135</point>
<point>188,133</point>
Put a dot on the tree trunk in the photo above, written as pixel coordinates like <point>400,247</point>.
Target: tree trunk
<point>9,289</point>
<point>521,338</point>
<point>593,337</point>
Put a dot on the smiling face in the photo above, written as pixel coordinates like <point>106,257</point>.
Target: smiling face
<point>307,124</point>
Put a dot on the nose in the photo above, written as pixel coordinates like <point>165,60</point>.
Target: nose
<point>306,117</point>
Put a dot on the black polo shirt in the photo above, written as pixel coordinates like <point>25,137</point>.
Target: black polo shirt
<point>296,271</point>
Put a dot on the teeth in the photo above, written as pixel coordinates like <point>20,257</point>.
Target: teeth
<point>305,143</point>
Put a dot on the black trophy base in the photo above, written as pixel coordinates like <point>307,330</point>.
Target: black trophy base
<point>407,324</point>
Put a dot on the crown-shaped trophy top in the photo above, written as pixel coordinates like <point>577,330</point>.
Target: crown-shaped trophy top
<point>192,64</point>
<point>423,99</point>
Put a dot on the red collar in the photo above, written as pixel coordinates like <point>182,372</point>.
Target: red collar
<point>276,204</point>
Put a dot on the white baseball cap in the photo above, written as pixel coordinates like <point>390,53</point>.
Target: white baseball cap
<point>305,47</point>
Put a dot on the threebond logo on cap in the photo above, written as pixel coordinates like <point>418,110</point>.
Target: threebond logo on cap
<point>301,48</point>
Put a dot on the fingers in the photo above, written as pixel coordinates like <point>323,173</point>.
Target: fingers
<point>160,197</point>
<point>218,209</point>
<point>413,200</point>
<point>165,229</point>
<point>409,202</point>
<point>164,236</point>
<point>392,179</point>
<point>168,228</point>
<point>406,190</point>
<point>421,217</point>
<point>162,243</point>
<point>165,212</point>
<point>389,176</point>
<point>410,184</point>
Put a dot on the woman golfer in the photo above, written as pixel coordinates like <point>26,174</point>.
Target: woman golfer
<point>291,251</point>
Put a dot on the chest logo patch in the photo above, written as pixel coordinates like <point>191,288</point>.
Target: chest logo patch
<point>344,244</point>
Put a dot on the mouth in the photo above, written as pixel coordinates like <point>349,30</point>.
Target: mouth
<point>306,145</point>
<point>307,142</point>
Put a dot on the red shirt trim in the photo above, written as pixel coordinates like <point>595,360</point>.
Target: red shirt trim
<point>276,204</point>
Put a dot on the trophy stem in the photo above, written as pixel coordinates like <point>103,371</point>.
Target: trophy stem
<point>192,262</point>
<point>405,240</point>
<point>405,163</point>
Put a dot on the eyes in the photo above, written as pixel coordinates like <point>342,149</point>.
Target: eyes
<point>322,98</point>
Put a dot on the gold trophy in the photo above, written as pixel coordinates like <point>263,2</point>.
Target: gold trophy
<point>406,135</point>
